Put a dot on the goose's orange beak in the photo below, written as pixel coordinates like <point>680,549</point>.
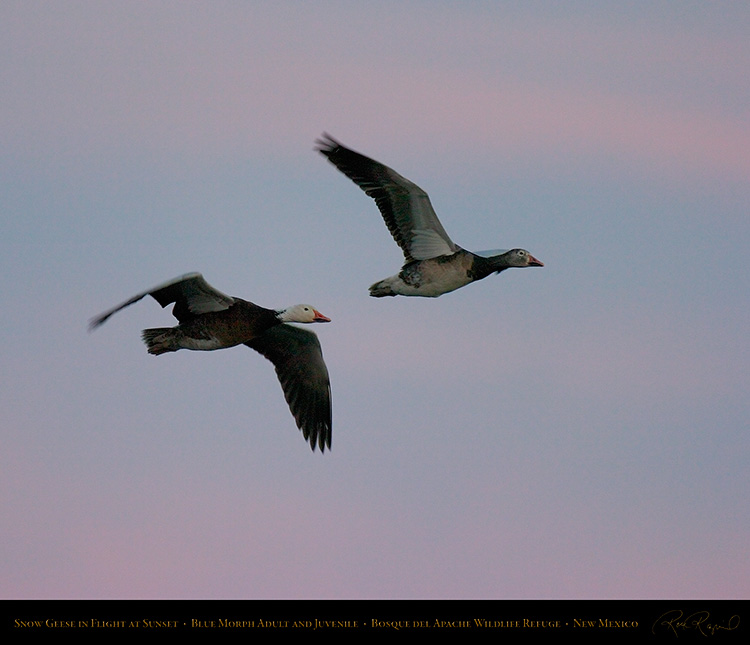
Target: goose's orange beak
<point>319,317</point>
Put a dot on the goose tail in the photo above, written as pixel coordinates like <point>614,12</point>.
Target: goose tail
<point>160,340</point>
<point>382,289</point>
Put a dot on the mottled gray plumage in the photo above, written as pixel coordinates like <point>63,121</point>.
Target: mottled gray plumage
<point>433,263</point>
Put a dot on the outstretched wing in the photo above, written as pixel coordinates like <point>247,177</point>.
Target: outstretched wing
<point>405,207</point>
<point>303,375</point>
<point>191,294</point>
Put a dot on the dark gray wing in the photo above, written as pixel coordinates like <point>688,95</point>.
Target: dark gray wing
<point>405,207</point>
<point>303,375</point>
<point>191,294</point>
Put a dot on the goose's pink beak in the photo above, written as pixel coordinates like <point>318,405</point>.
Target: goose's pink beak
<point>533,262</point>
<point>319,317</point>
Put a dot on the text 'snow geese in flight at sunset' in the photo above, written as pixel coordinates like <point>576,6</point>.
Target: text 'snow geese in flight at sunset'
<point>209,319</point>
<point>434,264</point>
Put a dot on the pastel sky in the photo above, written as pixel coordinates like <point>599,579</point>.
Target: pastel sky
<point>576,431</point>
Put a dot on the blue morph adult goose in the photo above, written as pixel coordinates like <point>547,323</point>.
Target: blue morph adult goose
<point>209,320</point>
<point>434,264</point>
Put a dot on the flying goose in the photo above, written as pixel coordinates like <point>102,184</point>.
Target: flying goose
<point>434,264</point>
<point>209,319</point>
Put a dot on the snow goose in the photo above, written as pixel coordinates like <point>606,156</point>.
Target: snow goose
<point>434,264</point>
<point>209,319</point>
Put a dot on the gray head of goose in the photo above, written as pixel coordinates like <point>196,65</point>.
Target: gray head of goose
<point>301,314</point>
<point>521,258</point>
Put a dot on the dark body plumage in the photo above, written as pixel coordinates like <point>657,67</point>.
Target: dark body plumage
<point>209,320</point>
<point>433,263</point>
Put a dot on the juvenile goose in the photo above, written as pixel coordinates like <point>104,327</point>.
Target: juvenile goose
<point>434,264</point>
<point>209,319</point>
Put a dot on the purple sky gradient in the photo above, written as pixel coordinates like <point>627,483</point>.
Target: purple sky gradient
<point>576,431</point>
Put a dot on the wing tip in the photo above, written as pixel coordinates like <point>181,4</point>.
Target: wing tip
<point>320,438</point>
<point>326,144</point>
<point>97,321</point>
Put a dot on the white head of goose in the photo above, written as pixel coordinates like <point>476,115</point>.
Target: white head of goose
<point>209,319</point>
<point>434,264</point>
